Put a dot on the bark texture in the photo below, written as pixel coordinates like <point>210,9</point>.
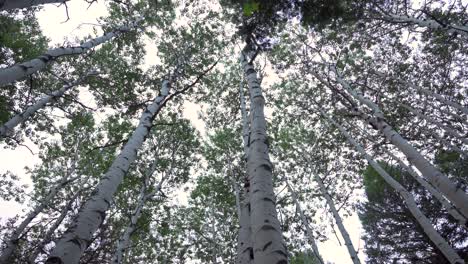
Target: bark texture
<point>19,71</point>
<point>77,238</point>
<point>16,4</point>
<point>268,244</point>
<point>423,221</point>
<point>244,243</point>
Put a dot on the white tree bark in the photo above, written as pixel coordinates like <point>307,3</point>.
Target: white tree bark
<point>16,4</point>
<point>7,128</point>
<point>427,23</point>
<point>305,222</point>
<point>423,221</point>
<point>268,244</point>
<point>244,243</point>
<point>441,182</point>
<point>349,244</point>
<point>446,204</point>
<point>48,236</point>
<point>19,71</point>
<point>14,238</point>
<point>77,238</point>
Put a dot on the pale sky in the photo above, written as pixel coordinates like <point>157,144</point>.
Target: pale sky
<point>51,20</point>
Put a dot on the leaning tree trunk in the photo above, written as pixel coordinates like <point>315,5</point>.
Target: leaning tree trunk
<point>14,238</point>
<point>48,236</point>
<point>244,243</point>
<point>427,23</point>
<point>349,244</point>
<point>16,4</point>
<point>124,241</point>
<point>305,222</point>
<point>268,243</point>
<point>443,201</point>
<point>7,128</point>
<point>441,182</point>
<point>78,237</point>
<point>423,221</point>
<point>19,71</point>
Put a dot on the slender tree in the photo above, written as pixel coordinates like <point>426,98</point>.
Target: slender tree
<point>268,244</point>
<point>434,176</point>
<point>426,225</point>
<point>339,222</point>
<point>24,69</point>
<point>8,127</point>
<point>77,238</point>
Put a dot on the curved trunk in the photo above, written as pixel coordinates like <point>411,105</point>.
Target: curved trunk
<point>15,4</point>
<point>19,71</point>
<point>77,238</point>
<point>268,244</point>
<point>423,221</point>
<point>7,128</point>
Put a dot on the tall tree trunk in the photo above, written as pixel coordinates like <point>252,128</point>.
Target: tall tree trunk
<point>441,182</point>
<point>7,128</point>
<point>349,244</point>
<point>268,244</point>
<point>427,23</point>
<point>15,4</point>
<point>305,222</point>
<point>244,243</point>
<point>423,221</point>
<point>124,241</point>
<point>446,204</point>
<point>77,238</point>
<point>15,236</point>
<point>19,71</point>
<point>48,236</point>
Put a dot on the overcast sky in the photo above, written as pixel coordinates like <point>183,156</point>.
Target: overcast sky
<point>51,19</point>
